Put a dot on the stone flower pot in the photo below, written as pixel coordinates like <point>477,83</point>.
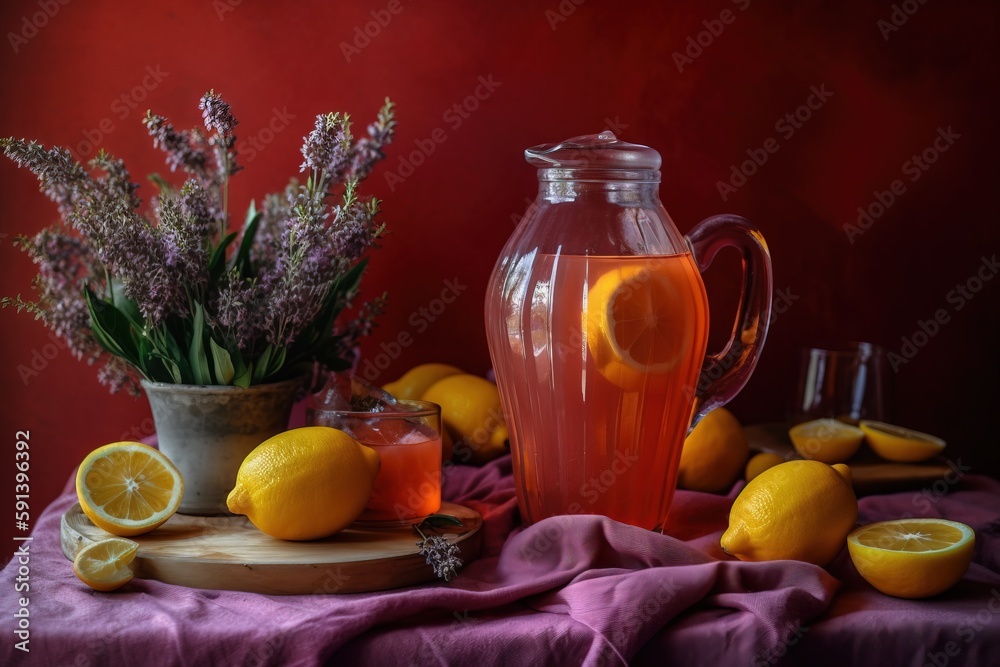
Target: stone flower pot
<point>207,431</point>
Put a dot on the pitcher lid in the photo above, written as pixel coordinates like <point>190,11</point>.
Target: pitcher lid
<point>594,151</point>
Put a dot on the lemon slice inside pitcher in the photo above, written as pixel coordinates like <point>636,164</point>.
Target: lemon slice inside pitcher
<point>632,327</point>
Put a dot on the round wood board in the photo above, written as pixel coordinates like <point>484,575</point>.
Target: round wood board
<point>229,553</point>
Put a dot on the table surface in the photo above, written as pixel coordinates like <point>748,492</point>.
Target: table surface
<point>567,590</point>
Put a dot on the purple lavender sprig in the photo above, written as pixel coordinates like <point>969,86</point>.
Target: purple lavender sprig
<point>440,554</point>
<point>371,149</point>
<point>165,291</point>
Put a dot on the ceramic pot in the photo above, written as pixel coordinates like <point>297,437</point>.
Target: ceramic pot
<point>207,431</point>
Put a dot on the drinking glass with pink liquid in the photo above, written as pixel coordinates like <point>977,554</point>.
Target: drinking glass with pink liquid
<point>597,322</point>
<point>407,436</point>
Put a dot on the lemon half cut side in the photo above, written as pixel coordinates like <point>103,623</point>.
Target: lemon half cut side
<point>912,558</point>
<point>128,488</point>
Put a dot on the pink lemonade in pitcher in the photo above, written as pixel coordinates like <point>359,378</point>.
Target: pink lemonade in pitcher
<point>597,322</point>
<point>621,376</point>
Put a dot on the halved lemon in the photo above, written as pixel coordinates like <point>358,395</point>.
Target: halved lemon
<point>912,558</point>
<point>128,488</point>
<point>104,565</point>
<point>895,443</point>
<point>632,325</point>
<point>826,440</point>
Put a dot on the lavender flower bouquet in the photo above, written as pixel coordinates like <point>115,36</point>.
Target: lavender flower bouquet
<point>170,295</point>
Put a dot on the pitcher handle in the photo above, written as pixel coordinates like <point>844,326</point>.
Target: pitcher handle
<point>723,375</point>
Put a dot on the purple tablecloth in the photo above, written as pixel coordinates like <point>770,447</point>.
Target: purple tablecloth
<point>568,590</point>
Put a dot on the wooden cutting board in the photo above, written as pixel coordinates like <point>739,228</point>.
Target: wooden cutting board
<point>229,553</point>
<point>869,473</point>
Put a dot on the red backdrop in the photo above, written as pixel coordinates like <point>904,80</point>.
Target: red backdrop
<point>847,93</point>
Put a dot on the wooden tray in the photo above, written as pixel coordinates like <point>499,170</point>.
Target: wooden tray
<point>869,473</point>
<point>229,553</point>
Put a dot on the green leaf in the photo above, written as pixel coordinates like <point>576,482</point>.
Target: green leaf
<point>159,182</point>
<point>173,369</point>
<point>224,370</point>
<point>111,328</point>
<point>126,305</point>
<point>441,520</point>
<point>243,379</point>
<point>196,353</point>
<point>174,354</point>
<point>276,362</point>
<point>260,367</point>
<point>217,263</point>
<point>242,260</point>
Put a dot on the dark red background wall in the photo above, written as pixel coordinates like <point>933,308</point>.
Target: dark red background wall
<point>894,75</point>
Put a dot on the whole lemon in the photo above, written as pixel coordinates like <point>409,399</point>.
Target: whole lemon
<point>305,484</point>
<point>471,412</point>
<point>714,453</point>
<point>800,510</point>
<point>418,379</point>
<point>758,463</point>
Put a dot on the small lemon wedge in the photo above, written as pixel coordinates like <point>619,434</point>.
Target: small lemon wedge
<point>104,565</point>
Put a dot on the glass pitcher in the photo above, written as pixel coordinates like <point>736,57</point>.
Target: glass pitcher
<point>597,323</point>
